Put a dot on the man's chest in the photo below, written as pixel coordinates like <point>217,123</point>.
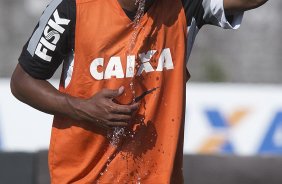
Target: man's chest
<point>103,30</point>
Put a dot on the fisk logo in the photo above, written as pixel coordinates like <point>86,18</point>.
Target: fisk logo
<point>219,140</point>
<point>51,35</point>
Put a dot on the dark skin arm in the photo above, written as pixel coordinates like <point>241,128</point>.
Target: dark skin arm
<point>99,109</point>
<point>232,6</point>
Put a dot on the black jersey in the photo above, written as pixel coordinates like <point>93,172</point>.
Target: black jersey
<point>59,38</point>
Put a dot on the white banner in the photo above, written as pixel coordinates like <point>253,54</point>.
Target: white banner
<point>220,118</point>
<point>22,128</point>
<point>237,119</point>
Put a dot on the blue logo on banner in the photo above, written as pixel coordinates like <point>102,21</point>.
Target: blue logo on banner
<point>273,139</point>
<point>219,140</point>
<point>220,123</point>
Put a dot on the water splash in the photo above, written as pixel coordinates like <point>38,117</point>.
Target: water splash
<point>138,180</point>
<point>115,135</point>
<point>136,22</point>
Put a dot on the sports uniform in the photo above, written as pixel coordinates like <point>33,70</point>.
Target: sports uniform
<point>92,37</point>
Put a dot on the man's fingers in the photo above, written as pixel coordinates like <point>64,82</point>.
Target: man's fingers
<point>124,109</point>
<point>108,93</point>
<point>135,106</point>
<point>116,121</point>
<point>101,124</point>
<point>114,124</point>
<point>119,117</point>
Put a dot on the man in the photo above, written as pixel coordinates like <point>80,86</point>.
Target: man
<point>119,112</point>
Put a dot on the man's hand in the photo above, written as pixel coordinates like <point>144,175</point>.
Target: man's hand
<point>102,110</point>
<point>232,6</point>
<point>99,109</point>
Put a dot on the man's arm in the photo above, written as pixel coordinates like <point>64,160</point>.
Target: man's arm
<point>99,109</point>
<point>231,6</point>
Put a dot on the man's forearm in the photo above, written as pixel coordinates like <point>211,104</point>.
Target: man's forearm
<point>232,6</point>
<point>39,94</point>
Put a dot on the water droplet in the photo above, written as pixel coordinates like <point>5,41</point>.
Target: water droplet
<point>115,135</point>
<point>138,180</point>
<point>132,41</point>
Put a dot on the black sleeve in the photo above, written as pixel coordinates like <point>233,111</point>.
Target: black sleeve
<point>210,12</point>
<point>194,10</point>
<point>51,41</point>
